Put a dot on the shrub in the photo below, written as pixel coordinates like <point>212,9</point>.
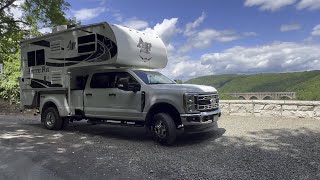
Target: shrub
<point>9,84</point>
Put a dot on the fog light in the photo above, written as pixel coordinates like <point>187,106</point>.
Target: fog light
<point>193,119</point>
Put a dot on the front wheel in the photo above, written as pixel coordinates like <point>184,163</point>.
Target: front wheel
<point>51,119</point>
<point>164,129</point>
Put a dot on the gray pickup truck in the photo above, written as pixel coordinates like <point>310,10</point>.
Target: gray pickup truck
<point>135,97</point>
<point>89,72</point>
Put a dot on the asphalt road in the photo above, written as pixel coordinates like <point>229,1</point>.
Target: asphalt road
<point>243,148</point>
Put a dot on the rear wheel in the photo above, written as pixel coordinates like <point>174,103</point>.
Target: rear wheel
<point>164,129</point>
<point>51,119</point>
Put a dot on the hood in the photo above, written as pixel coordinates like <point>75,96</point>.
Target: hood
<point>192,88</point>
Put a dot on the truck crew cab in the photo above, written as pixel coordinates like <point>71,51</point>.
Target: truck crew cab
<point>105,73</point>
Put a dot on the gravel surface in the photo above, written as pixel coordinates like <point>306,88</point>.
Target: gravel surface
<point>243,148</point>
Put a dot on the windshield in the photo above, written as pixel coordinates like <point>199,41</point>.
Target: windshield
<point>153,77</point>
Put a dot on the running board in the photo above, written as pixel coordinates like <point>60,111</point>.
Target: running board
<point>114,122</point>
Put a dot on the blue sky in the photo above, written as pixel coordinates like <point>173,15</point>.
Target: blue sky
<point>222,36</point>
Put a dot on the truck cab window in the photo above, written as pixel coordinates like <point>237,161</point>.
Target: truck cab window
<point>126,75</point>
<point>81,82</point>
<point>153,77</point>
<point>102,80</point>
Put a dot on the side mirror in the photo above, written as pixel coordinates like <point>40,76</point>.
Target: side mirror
<point>135,87</point>
<point>123,84</point>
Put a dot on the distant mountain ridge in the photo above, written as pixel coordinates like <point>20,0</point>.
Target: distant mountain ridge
<point>305,84</point>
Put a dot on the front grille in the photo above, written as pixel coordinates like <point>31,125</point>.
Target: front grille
<point>208,102</point>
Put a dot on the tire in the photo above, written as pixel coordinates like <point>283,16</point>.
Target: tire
<point>164,129</point>
<point>51,119</point>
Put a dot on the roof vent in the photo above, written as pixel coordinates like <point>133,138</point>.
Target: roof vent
<point>59,28</point>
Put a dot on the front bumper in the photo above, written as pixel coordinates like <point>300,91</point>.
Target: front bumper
<point>200,122</point>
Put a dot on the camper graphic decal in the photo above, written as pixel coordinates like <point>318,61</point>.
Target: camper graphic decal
<point>144,46</point>
<point>71,45</point>
<point>106,50</point>
<point>42,69</point>
<point>38,83</point>
<point>145,49</point>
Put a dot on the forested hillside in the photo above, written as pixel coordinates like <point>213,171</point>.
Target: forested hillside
<point>306,84</point>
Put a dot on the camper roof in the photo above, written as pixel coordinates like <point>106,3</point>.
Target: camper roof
<point>63,31</point>
<point>112,45</point>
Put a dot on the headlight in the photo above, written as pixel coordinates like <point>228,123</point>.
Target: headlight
<point>190,103</point>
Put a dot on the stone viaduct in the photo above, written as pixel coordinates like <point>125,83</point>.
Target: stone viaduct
<point>264,95</point>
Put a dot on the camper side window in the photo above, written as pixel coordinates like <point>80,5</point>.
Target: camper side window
<point>102,80</point>
<point>31,58</point>
<point>40,57</point>
<point>87,44</point>
<point>36,58</point>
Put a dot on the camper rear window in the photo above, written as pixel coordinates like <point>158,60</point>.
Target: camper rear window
<point>31,58</point>
<point>36,58</point>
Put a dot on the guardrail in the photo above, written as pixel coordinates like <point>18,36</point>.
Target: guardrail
<point>271,108</point>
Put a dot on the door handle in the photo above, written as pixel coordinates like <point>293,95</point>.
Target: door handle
<point>112,94</point>
<point>88,94</point>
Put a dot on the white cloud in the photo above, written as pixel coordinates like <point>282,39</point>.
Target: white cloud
<point>135,23</point>
<point>171,49</point>
<point>16,12</point>
<point>271,5</point>
<point>290,27</point>
<point>165,30</point>
<point>86,14</point>
<point>190,27</point>
<point>206,37</point>
<point>183,68</point>
<point>316,30</point>
<point>118,16</point>
<point>275,57</point>
<point>45,30</point>
<point>200,39</point>
<point>309,4</point>
<point>250,34</point>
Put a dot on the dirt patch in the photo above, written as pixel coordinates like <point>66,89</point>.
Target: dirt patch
<point>6,108</point>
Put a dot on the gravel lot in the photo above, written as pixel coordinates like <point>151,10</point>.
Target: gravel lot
<point>243,148</point>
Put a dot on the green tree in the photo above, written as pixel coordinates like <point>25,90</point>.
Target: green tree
<point>9,86</point>
<point>35,14</point>
<point>46,13</point>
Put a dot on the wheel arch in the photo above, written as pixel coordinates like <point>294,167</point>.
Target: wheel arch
<point>165,108</point>
<point>57,100</point>
<point>46,105</point>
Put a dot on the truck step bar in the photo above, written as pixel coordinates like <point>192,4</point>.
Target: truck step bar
<point>117,122</point>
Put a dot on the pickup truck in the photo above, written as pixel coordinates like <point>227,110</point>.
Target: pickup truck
<point>136,97</point>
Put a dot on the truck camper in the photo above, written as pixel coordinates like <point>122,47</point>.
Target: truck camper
<point>106,73</point>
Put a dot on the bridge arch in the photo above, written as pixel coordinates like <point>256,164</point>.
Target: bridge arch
<point>267,98</point>
<point>285,97</point>
<point>242,98</point>
<point>253,98</point>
